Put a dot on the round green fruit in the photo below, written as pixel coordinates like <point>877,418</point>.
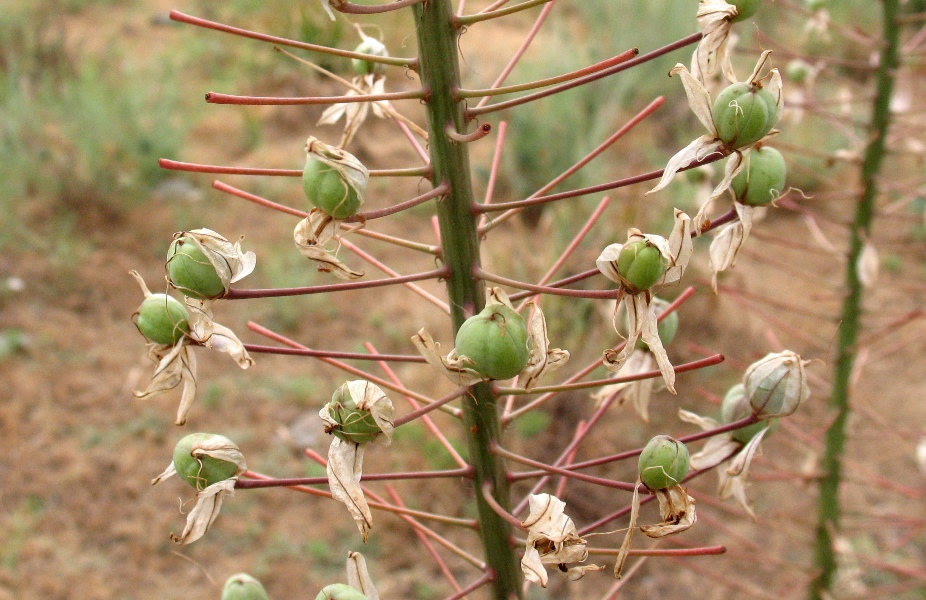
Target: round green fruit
<point>368,67</point>
<point>762,179</point>
<point>163,319</point>
<point>243,587</point>
<point>326,188</point>
<point>743,114</point>
<point>744,8</point>
<point>735,407</point>
<point>203,471</point>
<point>496,341</point>
<point>191,272</point>
<point>340,591</point>
<point>640,265</point>
<point>798,70</point>
<point>663,463</point>
<point>354,425</point>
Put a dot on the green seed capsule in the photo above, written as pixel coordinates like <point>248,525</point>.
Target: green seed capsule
<point>735,407</point>
<point>191,272</point>
<point>203,471</point>
<point>744,8</point>
<point>340,591</point>
<point>243,587</point>
<point>326,188</point>
<point>743,114</point>
<point>367,67</point>
<point>496,341</point>
<point>354,425</point>
<point>640,265</point>
<point>663,463</point>
<point>798,70</point>
<point>163,319</point>
<point>762,179</point>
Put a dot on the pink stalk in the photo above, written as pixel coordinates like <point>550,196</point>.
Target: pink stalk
<point>175,15</point>
<point>699,551</point>
<point>365,9</point>
<point>479,273</point>
<point>224,187</point>
<point>493,170</point>
<point>521,49</point>
<point>341,365</point>
<point>570,457</point>
<point>217,98</point>
<point>484,580</point>
<point>504,514</point>
<point>422,153</point>
<point>423,538</point>
<point>600,481</point>
<point>175,165</point>
<point>729,582</point>
<point>465,138</point>
<point>428,423</point>
<point>333,354</point>
<point>240,294</point>
<point>636,119</point>
<point>290,482</point>
<point>716,359</point>
<point>382,267</point>
<point>686,41</point>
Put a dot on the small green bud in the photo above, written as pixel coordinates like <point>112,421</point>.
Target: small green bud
<point>372,46</point>
<point>243,587</point>
<point>735,407</point>
<point>340,591</point>
<point>663,463</point>
<point>353,424</point>
<point>191,272</point>
<point>744,8</point>
<point>162,319</point>
<point>762,180</point>
<point>203,471</point>
<point>640,265</point>
<point>743,113</point>
<point>496,341</point>
<point>667,328</point>
<point>798,70</point>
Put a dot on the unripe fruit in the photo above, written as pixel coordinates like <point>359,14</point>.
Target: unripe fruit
<point>743,114</point>
<point>663,463</point>
<point>243,587</point>
<point>798,70</point>
<point>496,341</point>
<point>163,319</point>
<point>326,188</point>
<point>366,67</point>
<point>735,407</point>
<point>203,471</point>
<point>640,265</point>
<point>340,591</point>
<point>745,8</point>
<point>762,179</point>
<point>354,425</point>
<point>191,272</point>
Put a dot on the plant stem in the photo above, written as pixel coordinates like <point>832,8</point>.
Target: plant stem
<point>440,74</point>
<point>175,165</point>
<point>846,346</point>
<point>217,98</point>
<point>485,16</point>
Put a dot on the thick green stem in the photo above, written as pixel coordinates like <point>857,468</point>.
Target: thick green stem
<point>440,75</point>
<point>829,506</point>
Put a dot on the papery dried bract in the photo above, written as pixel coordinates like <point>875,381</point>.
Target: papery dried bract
<point>552,538</point>
<point>459,371</point>
<point>677,510</point>
<point>311,235</point>
<point>230,263</point>
<point>345,459</point>
<point>637,392</point>
<point>543,359</point>
<point>358,577</point>
<point>733,480</point>
<point>726,245</point>
<point>777,384</point>
<point>713,51</point>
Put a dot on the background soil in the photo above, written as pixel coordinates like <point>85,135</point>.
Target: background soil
<point>78,518</point>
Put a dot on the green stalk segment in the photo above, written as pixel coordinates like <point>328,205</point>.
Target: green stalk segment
<point>440,75</point>
<point>829,508</point>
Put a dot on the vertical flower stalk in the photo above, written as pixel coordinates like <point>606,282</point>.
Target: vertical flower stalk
<point>440,75</point>
<point>829,506</point>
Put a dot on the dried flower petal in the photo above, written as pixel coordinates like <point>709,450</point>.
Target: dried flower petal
<point>454,368</point>
<point>358,577</point>
<point>543,359</point>
<point>715,22</point>
<point>637,392</point>
<point>867,265</point>
<point>176,365</point>
<point>552,538</point>
<point>310,236</point>
<point>733,479</point>
<point>677,510</point>
<point>727,243</point>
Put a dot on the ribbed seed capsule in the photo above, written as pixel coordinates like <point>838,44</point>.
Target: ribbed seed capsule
<point>496,341</point>
<point>191,272</point>
<point>333,179</point>
<point>372,46</point>
<point>743,113</point>
<point>640,265</point>
<point>663,463</point>
<point>735,407</point>
<point>202,471</point>
<point>353,424</point>
<point>744,8</point>
<point>162,319</point>
<point>243,587</point>
<point>776,385</point>
<point>340,591</point>
<point>762,180</point>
